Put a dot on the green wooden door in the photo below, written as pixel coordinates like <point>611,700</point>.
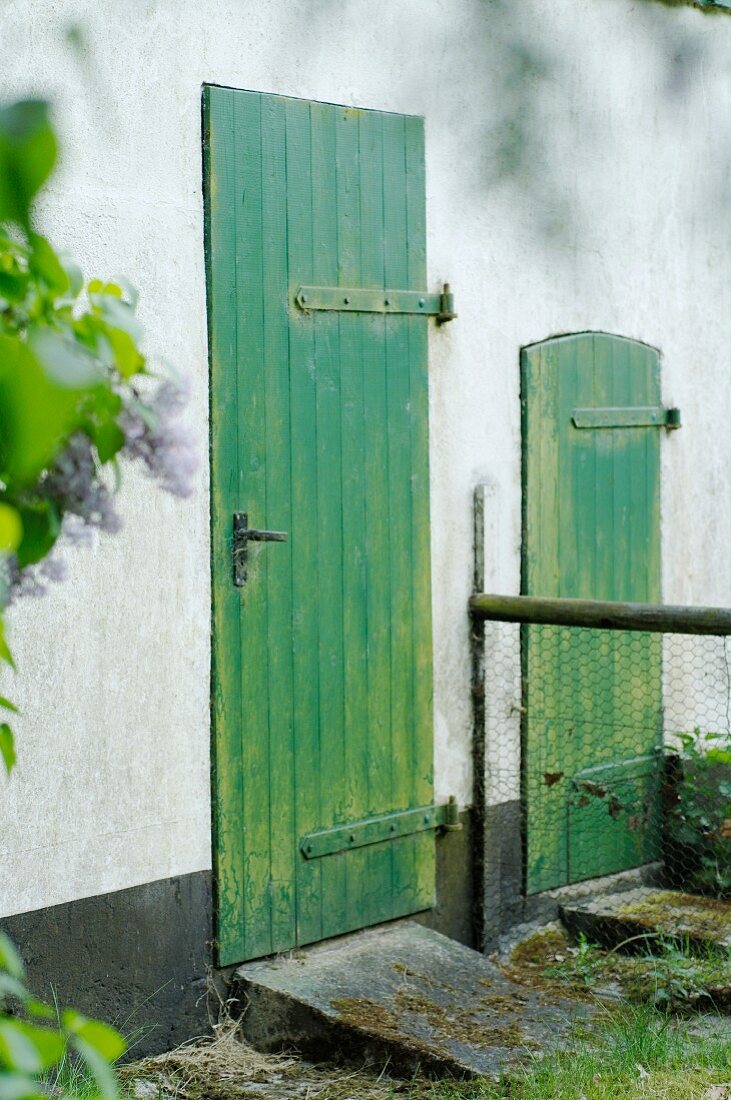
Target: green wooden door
<point>591,529</point>
<point>322,661</point>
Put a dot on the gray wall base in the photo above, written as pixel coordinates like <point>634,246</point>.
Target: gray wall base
<point>453,914</point>
<point>136,958</point>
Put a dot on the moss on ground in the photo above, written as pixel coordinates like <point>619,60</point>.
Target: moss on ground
<point>664,975</point>
<point>681,915</point>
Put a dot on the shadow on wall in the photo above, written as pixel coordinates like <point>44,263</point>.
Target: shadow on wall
<point>529,80</point>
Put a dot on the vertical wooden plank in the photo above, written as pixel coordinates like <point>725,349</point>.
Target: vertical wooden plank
<point>398,444</point>
<point>254,724</point>
<point>309,764</point>
<point>329,516</point>
<point>599,543</point>
<point>275,363</point>
<point>545,511</point>
<point>374,605</point>
<point>356,730</point>
<point>220,156</point>
<point>379,861</point>
<point>422,777</point>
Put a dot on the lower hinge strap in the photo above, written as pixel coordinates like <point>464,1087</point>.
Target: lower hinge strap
<point>375,830</point>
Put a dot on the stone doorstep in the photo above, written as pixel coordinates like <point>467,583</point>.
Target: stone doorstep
<point>402,996</point>
<point>643,912</point>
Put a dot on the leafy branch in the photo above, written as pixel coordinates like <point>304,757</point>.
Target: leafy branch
<point>76,392</point>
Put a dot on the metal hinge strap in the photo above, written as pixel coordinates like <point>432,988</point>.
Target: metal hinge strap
<point>364,300</point>
<point>633,417</point>
<point>375,830</point>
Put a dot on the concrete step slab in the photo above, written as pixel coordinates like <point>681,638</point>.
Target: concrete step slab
<point>634,920</point>
<point>402,996</point>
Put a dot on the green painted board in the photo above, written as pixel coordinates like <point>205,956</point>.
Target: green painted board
<point>591,530</point>
<point>322,691</point>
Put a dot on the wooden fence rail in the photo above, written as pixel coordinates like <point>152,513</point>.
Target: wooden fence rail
<point>602,614</point>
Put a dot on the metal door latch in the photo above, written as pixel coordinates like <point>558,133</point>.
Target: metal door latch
<point>243,535</point>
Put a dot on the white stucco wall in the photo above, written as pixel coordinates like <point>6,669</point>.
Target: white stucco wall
<point>578,159</point>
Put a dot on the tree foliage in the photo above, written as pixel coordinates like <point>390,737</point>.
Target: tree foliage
<point>76,392</point>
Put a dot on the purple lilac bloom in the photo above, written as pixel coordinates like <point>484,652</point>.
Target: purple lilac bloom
<point>73,484</point>
<point>160,441</point>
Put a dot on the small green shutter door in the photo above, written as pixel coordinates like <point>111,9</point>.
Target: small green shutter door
<point>591,529</point>
<point>322,662</point>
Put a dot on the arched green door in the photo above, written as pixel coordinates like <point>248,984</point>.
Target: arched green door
<point>591,529</point>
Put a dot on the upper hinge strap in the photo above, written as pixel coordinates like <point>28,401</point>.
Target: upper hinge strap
<point>650,416</point>
<point>364,300</point>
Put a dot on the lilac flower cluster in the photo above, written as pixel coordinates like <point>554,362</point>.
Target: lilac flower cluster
<point>153,435</point>
<point>31,581</point>
<point>74,486</point>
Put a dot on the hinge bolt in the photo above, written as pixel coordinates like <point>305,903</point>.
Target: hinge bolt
<point>446,306</point>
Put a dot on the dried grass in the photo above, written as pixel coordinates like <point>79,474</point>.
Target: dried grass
<point>224,1067</point>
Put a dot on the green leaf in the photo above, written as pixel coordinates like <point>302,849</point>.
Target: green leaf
<point>73,273</point>
<point>718,756</point>
<point>8,705</point>
<point>47,266</point>
<point>13,285</point>
<point>18,1086</point>
<point>98,289</point>
<point>120,314</point>
<point>5,654</point>
<point>27,156</point>
<point>130,292</point>
<point>126,356</point>
<point>7,747</point>
<point>11,528</point>
<point>99,1067</point>
<point>108,439</point>
<point>12,987</point>
<point>17,1051</point>
<point>36,414</point>
<point>104,1039</point>
<point>66,362</point>
<point>49,1043</point>
<point>10,960</point>
<point>41,528</point>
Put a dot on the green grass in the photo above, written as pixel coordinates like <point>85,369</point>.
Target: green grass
<point>639,1054</point>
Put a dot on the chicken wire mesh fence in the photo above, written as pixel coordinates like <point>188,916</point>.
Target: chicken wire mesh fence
<point>613,747</point>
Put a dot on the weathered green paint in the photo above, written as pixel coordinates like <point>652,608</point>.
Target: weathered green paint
<point>591,530</point>
<point>322,661</point>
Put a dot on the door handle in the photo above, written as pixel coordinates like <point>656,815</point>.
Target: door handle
<point>243,535</point>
